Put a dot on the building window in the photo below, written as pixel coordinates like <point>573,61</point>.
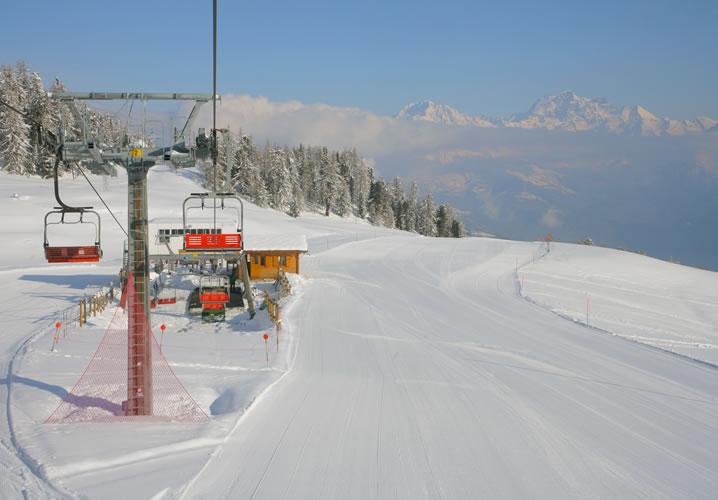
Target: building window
<point>264,260</point>
<point>256,259</point>
<point>283,260</point>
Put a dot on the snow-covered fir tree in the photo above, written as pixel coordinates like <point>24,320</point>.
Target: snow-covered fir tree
<point>15,150</point>
<point>330,179</point>
<point>444,218</point>
<point>411,205</point>
<point>426,218</point>
<point>397,203</point>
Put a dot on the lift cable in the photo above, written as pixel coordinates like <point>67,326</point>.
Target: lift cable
<point>100,197</point>
<point>19,112</point>
<point>214,92</point>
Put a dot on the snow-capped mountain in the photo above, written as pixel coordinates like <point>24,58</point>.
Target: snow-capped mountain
<point>567,111</point>
<point>440,113</point>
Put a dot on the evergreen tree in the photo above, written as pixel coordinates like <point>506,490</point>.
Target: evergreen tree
<point>249,180</point>
<point>344,203</point>
<point>457,229</point>
<point>362,184</point>
<point>387,212</point>
<point>397,203</point>
<point>15,150</point>
<point>443,221</point>
<point>411,205</point>
<point>294,209</point>
<point>278,181</point>
<point>426,222</point>
<point>331,181</point>
<point>42,158</point>
<point>375,203</point>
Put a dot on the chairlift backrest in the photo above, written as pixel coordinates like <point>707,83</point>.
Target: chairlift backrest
<point>216,241</point>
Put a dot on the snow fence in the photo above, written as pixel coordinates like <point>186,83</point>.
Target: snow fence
<point>101,391</point>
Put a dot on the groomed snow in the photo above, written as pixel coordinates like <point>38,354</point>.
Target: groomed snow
<point>407,367</point>
<point>658,303</point>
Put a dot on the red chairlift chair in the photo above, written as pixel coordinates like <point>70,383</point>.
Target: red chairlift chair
<point>85,253</point>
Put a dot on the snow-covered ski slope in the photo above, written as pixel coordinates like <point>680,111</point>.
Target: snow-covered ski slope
<point>669,306</point>
<point>408,367</point>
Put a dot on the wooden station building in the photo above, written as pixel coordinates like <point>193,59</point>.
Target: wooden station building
<point>268,253</point>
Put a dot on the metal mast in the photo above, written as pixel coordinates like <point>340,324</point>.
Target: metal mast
<point>214,104</point>
<point>137,161</point>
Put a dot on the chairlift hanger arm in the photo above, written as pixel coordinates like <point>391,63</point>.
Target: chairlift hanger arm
<point>64,207</point>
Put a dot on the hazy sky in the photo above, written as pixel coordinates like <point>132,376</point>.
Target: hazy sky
<point>481,58</point>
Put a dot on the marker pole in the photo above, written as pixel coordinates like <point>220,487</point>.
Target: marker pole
<point>162,335</point>
<point>266,347</point>
<point>57,332</point>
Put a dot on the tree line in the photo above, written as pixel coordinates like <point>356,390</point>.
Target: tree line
<point>303,178</point>
<point>287,179</point>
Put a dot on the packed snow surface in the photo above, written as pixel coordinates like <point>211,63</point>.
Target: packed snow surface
<point>405,367</point>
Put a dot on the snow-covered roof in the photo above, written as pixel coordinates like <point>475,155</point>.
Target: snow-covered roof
<point>192,220</point>
<point>275,242</point>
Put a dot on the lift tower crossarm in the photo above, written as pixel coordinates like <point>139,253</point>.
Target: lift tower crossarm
<point>149,96</point>
<point>87,149</point>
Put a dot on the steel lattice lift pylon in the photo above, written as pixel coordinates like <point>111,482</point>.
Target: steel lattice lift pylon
<point>137,161</point>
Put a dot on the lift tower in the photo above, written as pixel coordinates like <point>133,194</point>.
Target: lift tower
<point>137,161</point>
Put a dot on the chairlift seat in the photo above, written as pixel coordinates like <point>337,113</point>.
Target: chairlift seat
<point>73,254</point>
<point>212,306</point>
<point>213,297</point>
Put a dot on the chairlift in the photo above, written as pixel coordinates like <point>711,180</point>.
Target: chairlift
<point>85,253</point>
<point>214,296</point>
<point>213,242</point>
<point>167,298</point>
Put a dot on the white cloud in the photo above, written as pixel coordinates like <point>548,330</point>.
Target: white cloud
<point>551,218</point>
<point>449,156</point>
<point>707,162</point>
<point>293,123</point>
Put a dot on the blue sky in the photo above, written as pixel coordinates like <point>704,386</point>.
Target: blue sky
<point>492,58</point>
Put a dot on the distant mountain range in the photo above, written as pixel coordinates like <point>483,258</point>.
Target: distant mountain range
<point>567,111</point>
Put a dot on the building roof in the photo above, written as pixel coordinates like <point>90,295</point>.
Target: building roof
<point>193,221</point>
<point>275,242</point>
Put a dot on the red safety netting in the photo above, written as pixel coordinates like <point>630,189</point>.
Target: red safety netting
<point>101,391</point>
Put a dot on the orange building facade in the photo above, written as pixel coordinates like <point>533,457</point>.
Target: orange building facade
<point>268,253</point>
<point>267,263</point>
